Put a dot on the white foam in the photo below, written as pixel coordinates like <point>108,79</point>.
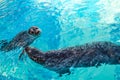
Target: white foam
<point>108,9</point>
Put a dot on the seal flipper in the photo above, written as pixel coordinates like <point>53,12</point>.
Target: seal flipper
<point>68,73</point>
<point>20,56</point>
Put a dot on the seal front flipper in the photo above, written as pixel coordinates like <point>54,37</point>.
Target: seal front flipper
<point>20,56</point>
<point>68,72</point>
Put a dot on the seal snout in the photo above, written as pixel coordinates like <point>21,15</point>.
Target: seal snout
<point>37,32</point>
<point>34,31</point>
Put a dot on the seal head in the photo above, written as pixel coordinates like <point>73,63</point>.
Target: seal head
<point>35,31</point>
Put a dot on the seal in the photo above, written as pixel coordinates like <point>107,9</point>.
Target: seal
<point>22,39</point>
<point>87,55</point>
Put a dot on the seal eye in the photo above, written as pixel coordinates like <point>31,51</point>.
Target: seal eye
<point>36,28</point>
<point>32,32</point>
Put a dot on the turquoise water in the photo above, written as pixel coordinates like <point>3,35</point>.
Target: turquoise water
<point>63,23</point>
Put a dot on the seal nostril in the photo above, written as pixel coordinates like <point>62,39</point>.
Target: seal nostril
<point>32,32</point>
<point>37,32</point>
<point>36,28</point>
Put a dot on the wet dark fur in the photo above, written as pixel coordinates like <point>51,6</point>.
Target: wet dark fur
<point>22,39</point>
<point>88,55</point>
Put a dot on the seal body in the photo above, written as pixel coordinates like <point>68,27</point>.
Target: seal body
<point>87,55</point>
<point>22,39</point>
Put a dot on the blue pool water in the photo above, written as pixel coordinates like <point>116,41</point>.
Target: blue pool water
<point>63,23</point>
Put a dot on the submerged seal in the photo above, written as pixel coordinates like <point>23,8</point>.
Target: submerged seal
<point>88,55</point>
<point>22,39</point>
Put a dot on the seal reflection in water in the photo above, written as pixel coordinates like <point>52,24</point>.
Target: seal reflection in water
<point>22,39</point>
<point>88,55</point>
